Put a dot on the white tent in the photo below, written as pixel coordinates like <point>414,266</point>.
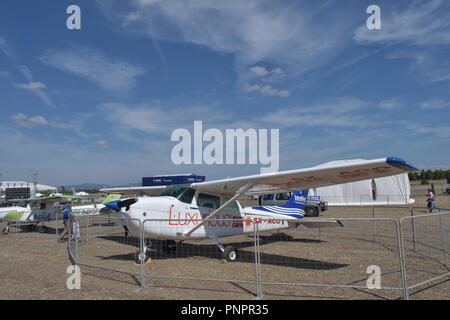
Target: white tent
<point>392,190</point>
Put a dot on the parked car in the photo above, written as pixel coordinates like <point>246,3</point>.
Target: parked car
<point>279,199</point>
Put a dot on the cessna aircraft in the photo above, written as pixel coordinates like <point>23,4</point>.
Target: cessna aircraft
<point>211,210</point>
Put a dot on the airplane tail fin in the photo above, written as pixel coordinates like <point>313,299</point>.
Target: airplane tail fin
<point>297,200</point>
<point>294,208</point>
<point>113,197</point>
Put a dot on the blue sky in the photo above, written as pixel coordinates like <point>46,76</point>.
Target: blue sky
<point>99,104</point>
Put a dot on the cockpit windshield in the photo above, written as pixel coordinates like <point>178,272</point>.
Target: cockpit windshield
<point>174,190</point>
<point>182,192</point>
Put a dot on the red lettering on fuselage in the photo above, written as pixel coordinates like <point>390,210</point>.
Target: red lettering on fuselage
<point>181,220</point>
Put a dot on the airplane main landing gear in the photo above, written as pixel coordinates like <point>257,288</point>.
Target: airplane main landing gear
<point>5,230</point>
<point>230,254</point>
<point>42,229</point>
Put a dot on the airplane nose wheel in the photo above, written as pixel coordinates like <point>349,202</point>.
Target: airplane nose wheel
<point>143,256</point>
<point>230,254</point>
<point>138,256</point>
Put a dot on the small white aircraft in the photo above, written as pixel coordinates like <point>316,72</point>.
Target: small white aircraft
<point>34,211</point>
<point>211,210</point>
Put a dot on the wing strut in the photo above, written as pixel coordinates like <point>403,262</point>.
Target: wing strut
<point>226,204</point>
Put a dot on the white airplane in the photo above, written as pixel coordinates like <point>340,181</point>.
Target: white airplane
<point>211,210</point>
<point>15,213</point>
<point>34,211</point>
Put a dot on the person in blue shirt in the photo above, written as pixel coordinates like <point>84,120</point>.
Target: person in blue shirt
<point>66,213</point>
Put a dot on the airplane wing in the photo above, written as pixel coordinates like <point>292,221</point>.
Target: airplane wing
<point>66,197</point>
<point>319,176</point>
<point>132,191</point>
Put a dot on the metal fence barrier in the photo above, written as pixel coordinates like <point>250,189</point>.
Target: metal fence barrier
<point>273,263</point>
<point>21,229</point>
<point>99,242</point>
<point>339,258</point>
<point>425,242</point>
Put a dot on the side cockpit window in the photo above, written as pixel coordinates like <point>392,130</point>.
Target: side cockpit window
<point>208,201</point>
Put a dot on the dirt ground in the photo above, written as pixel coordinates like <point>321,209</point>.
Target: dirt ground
<point>33,265</point>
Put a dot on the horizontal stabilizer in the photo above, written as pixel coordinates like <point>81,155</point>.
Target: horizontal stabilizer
<point>314,223</point>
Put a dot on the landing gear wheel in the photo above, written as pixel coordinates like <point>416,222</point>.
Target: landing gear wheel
<point>311,212</point>
<point>42,229</point>
<point>230,254</point>
<point>138,256</point>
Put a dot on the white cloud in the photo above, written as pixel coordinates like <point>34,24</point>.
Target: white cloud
<point>109,73</point>
<point>130,18</point>
<point>259,71</point>
<point>430,65</point>
<point>435,104</point>
<point>152,119</point>
<point>340,113</point>
<point>31,122</point>
<point>287,34</point>
<point>264,75</point>
<point>34,86</point>
<point>102,144</point>
<point>267,90</point>
<point>61,125</point>
<point>391,104</point>
<point>437,131</point>
<point>31,86</point>
<point>4,47</point>
<point>252,88</point>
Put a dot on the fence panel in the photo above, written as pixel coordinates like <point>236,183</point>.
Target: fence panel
<point>426,243</point>
<point>99,243</point>
<point>201,262</point>
<point>339,259</point>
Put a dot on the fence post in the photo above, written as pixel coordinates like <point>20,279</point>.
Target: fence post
<point>374,225</point>
<point>413,229</point>
<point>87,229</point>
<point>141,249</point>
<point>17,228</point>
<point>443,239</point>
<point>402,258</point>
<point>56,219</point>
<point>259,294</point>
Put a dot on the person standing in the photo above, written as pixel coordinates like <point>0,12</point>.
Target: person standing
<point>430,200</point>
<point>66,214</point>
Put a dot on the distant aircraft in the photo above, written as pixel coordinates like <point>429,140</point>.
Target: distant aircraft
<point>34,211</point>
<point>211,210</point>
<point>135,191</point>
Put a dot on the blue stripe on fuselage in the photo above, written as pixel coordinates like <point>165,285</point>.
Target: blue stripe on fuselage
<point>282,211</point>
